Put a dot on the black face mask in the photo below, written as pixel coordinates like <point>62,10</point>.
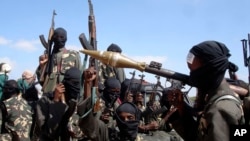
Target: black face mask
<point>59,38</point>
<point>205,78</point>
<point>72,89</point>
<point>110,96</point>
<point>59,41</point>
<point>128,129</point>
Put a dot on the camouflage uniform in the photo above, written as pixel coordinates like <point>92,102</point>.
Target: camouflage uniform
<point>62,61</point>
<point>74,128</point>
<point>106,71</point>
<point>18,119</point>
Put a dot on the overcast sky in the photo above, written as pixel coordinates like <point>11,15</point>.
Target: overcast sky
<point>146,30</point>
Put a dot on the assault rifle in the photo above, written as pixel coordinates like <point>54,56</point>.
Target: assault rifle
<point>51,31</point>
<point>128,90</point>
<point>154,92</point>
<point>48,50</point>
<point>151,110</point>
<point>131,80</point>
<point>246,58</point>
<point>90,44</point>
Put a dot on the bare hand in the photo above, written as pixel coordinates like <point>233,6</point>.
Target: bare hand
<point>59,93</point>
<point>43,59</point>
<point>89,74</point>
<point>154,125</point>
<point>105,117</point>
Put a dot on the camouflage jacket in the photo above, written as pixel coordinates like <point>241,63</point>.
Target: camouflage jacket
<point>106,71</point>
<point>62,61</point>
<point>17,121</point>
<point>214,123</point>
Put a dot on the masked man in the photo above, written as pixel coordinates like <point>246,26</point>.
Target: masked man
<point>55,109</point>
<point>208,62</point>
<point>53,66</point>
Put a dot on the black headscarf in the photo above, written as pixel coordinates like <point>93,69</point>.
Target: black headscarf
<point>128,129</point>
<point>114,48</point>
<point>214,56</point>
<point>71,83</point>
<point>131,85</point>
<point>109,96</point>
<point>10,89</point>
<point>59,38</point>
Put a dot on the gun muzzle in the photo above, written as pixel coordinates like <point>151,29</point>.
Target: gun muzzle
<point>115,59</point>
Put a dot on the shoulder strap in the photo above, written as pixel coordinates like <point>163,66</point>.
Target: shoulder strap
<point>227,97</point>
<point>238,102</point>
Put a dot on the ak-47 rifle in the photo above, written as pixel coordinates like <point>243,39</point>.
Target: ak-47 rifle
<point>91,44</point>
<point>131,80</point>
<point>246,58</point>
<point>128,90</point>
<point>245,53</point>
<point>151,110</point>
<point>48,50</point>
<point>141,82</point>
<point>154,92</point>
<point>139,88</point>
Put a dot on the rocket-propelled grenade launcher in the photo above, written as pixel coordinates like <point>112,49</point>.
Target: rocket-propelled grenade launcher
<point>118,60</point>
